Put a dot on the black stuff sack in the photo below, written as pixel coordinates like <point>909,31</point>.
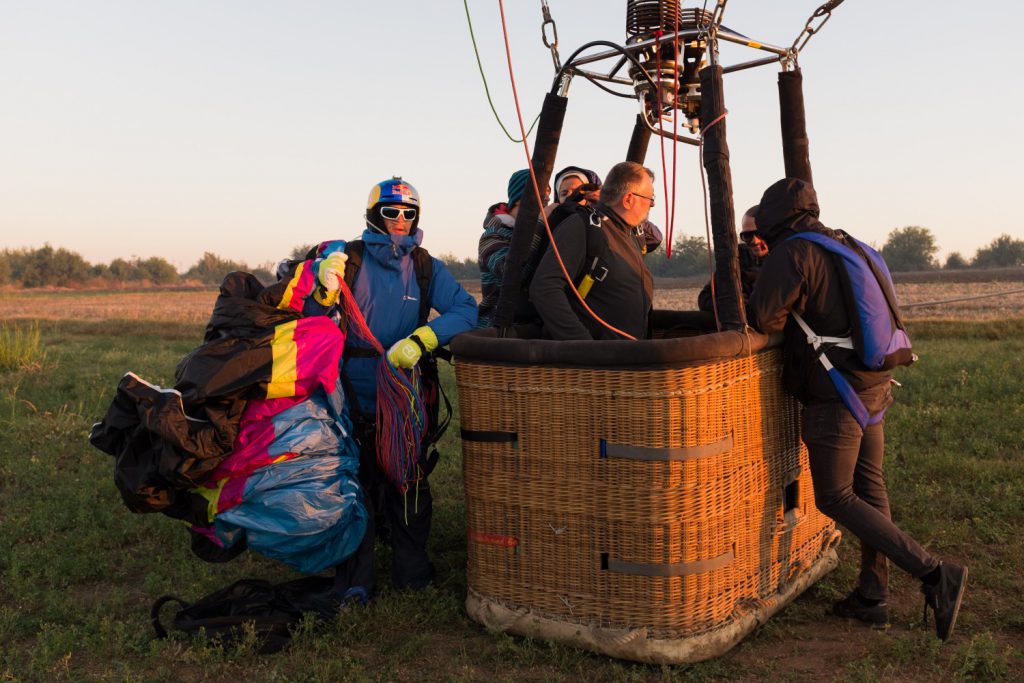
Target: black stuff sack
<point>270,611</point>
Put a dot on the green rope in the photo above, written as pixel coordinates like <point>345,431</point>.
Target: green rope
<point>465,3</point>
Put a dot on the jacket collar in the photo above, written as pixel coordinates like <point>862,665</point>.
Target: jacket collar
<point>390,249</point>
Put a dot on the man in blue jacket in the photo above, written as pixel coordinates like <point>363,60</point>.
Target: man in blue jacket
<point>388,294</point>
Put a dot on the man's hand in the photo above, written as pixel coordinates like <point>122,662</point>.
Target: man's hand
<point>332,271</point>
<point>405,353</point>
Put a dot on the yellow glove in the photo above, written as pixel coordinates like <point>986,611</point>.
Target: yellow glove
<point>405,353</point>
<point>332,271</point>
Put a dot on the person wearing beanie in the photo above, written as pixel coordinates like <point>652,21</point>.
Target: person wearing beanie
<point>494,244</point>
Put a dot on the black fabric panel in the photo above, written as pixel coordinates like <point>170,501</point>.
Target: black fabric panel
<point>159,451</point>
<point>723,218</point>
<point>549,131</point>
<point>638,142</point>
<point>485,345</point>
<point>795,146</point>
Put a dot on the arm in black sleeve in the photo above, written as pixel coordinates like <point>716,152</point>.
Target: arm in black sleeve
<point>549,291</point>
<point>779,287</point>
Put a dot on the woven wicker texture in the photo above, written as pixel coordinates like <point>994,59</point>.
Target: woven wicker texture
<point>570,527</point>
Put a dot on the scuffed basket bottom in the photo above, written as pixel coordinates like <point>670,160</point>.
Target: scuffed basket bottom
<point>635,644</point>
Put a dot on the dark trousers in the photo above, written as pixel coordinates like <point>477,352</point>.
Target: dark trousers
<point>849,487</point>
<point>401,520</point>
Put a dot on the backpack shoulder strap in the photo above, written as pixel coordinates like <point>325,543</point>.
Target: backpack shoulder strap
<point>594,265</point>
<point>354,250</point>
<point>424,267</point>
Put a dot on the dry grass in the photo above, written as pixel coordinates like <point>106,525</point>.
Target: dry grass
<point>195,306</point>
<point>158,305</point>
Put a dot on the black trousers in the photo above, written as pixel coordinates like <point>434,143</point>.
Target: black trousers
<point>401,520</point>
<point>849,487</point>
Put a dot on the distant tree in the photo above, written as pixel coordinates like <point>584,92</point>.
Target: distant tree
<point>122,270</point>
<point>157,270</point>
<point>263,274</point>
<point>910,248</point>
<point>689,257</point>
<point>300,251</point>
<point>1003,252</point>
<point>956,262</point>
<point>5,267</point>
<point>461,269</point>
<point>49,266</point>
<point>211,269</point>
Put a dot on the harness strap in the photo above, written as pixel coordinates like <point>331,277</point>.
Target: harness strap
<point>846,391</point>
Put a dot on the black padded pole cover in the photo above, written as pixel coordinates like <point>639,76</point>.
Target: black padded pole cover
<point>549,131</point>
<point>638,143</point>
<point>723,218</point>
<point>795,147</point>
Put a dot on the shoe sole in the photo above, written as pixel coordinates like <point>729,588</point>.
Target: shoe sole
<point>956,607</point>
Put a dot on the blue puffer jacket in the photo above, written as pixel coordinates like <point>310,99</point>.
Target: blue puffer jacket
<point>389,297</point>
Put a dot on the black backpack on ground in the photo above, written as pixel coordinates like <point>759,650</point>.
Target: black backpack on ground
<point>270,611</point>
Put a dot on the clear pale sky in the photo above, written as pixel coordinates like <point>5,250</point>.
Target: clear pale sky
<point>246,127</point>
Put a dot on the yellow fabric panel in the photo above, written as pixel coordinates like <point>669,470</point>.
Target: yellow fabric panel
<point>289,291</point>
<point>285,369</point>
<point>211,495</point>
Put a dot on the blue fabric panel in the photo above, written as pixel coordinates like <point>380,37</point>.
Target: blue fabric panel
<point>851,400</point>
<point>872,309</point>
<point>307,512</point>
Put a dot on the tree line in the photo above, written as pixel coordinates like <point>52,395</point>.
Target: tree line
<point>910,248</point>
<point>47,266</point>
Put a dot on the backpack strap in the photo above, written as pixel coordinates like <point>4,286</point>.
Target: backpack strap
<point>595,268</point>
<point>354,249</point>
<point>846,391</point>
<point>424,267</point>
<point>423,264</point>
<point>154,613</point>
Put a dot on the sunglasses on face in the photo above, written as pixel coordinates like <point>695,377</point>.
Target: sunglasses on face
<point>748,236</point>
<point>392,213</point>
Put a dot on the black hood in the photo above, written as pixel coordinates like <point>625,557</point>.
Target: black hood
<point>788,206</point>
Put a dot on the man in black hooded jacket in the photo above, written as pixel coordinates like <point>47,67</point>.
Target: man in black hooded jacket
<point>846,460</point>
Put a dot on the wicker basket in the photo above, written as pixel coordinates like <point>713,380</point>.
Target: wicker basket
<point>656,509</point>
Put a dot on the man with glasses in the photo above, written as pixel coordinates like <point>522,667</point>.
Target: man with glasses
<point>752,250</point>
<point>602,249</point>
<point>387,289</point>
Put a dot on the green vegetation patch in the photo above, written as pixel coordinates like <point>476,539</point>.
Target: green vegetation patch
<point>20,346</point>
<point>78,571</point>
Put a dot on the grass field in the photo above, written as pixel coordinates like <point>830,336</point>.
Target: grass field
<point>78,571</point>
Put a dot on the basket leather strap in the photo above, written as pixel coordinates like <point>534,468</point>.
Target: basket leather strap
<point>618,450</point>
<point>489,436</point>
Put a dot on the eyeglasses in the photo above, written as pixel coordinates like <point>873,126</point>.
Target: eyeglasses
<point>650,199</point>
<point>748,236</point>
<point>392,213</point>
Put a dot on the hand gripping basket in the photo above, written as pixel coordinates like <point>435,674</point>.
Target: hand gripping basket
<point>647,500</point>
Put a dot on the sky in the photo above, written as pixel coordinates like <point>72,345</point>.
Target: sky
<point>137,128</point>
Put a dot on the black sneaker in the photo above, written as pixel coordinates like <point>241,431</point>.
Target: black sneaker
<point>854,606</point>
<point>944,598</point>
